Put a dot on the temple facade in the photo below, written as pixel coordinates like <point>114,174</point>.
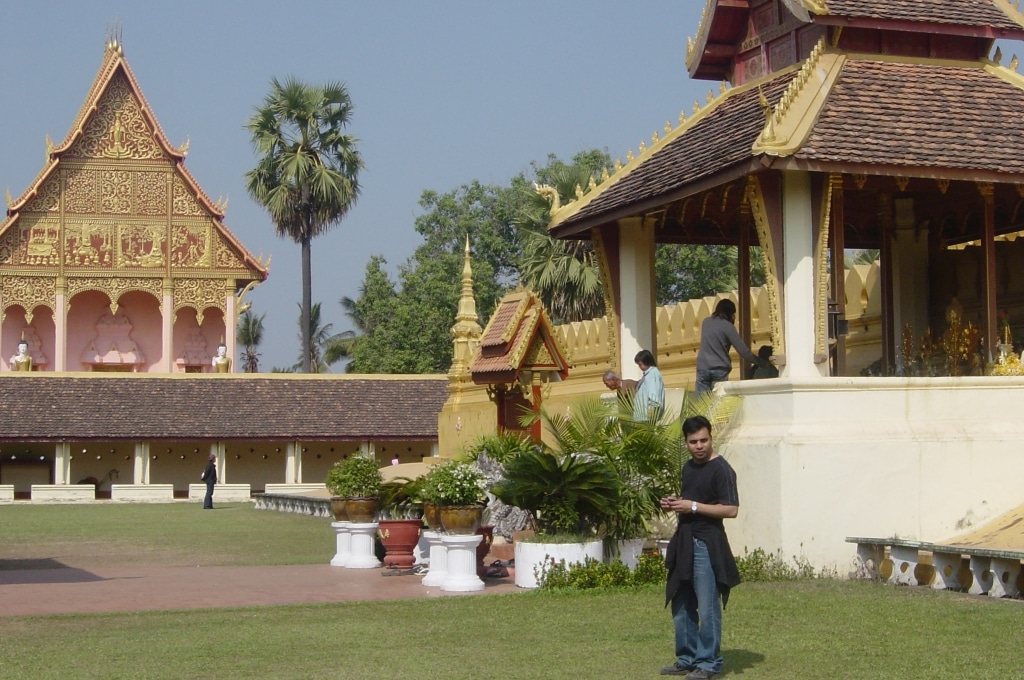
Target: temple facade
<point>114,259</point>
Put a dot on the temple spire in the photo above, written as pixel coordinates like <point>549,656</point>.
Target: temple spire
<point>467,331</point>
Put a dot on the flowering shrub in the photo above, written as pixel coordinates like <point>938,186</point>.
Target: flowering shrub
<point>455,483</point>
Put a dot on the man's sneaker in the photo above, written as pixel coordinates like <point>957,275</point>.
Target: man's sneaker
<point>676,669</point>
<point>701,674</point>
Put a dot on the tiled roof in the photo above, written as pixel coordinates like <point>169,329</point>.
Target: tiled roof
<point>69,407</point>
<point>518,323</point>
<point>722,138</point>
<point>920,115</point>
<point>959,12</point>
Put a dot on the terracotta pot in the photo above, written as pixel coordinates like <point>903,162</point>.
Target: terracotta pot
<point>432,516</point>
<point>362,510</point>
<point>338,509</point>
<point>484,547</point>
<point>399,537</point>
<point>461,520</point>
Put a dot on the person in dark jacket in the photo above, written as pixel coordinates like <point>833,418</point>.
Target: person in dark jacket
<point>701,567</point>
<point>717,335</point>
<point>210,477</point>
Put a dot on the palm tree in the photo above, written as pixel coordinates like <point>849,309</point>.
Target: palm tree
<point>565,274</point>
<point>249,334</point>
<point>322,342</point>
<point>307,173</point>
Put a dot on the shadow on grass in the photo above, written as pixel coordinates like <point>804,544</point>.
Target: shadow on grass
<point>739,660</point>
<point>42,570</point>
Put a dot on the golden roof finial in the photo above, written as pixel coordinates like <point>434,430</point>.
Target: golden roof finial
<point>113,43</point>
<point>668,127</point>
<point>998,56</point>
<point>183,148</point>
<point>7,196</point>
<point>49,147</point>
<point>682,116</point>
<point>1013,63</point>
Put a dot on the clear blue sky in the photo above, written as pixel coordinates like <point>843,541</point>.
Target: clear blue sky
<point>444,93</point>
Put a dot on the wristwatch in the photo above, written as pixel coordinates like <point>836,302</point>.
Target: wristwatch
<point>693,508</point>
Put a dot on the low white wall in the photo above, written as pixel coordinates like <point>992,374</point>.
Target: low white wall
<point>225,493</point>
<point>63,493</point>
<point>917,458</point>
<point>142,493</point>
<point>294,489</point>
<point>6,493</point>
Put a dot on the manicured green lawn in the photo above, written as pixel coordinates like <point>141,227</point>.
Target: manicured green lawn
<point>804,629</point>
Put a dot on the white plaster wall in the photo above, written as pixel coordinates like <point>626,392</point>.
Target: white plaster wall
<point>920,458</point>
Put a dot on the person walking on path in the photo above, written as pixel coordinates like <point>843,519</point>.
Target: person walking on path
<point>700,563</point>
<point>210,477</point>
<point>717,334</point>
<point>649,399</point>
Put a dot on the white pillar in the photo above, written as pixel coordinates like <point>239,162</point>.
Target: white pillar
<point>798,274</point>
<point>292,462</point>
<point>366,449</point>
<point>434,450</point>
<point>218,449</point>
<point>343,540</point>
<point>62,463</point>
<point>140,468</point>
<point>461,573</point>
<point>636,292</point>
<point>167,327</point>
<point>362,555</point>
<point>230,322</point>
<point>438,571</point>
<point>60,322</point>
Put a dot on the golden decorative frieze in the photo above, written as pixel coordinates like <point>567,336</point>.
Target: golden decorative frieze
<point>89,244</point>
<point>755,200</point>
<point>200,295</point>
<point>116,192</point>
<point>81,191</point>
<point>141,245</point>
<point>47,198</point>
<point>117,128</point>
<point>150,193</point>
<point>821,278</point>
<point>226,257</point>
<point>183,202</point>
<point>113,287</point>
<point>190,245</point>
<point>29,292</point>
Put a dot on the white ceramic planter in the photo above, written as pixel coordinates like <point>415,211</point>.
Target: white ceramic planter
<point>629,552</point>
<point>530,557</point>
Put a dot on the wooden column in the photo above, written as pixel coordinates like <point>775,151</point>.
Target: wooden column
<point>990,325</point>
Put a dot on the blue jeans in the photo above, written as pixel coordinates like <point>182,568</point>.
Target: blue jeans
<point>706,379</point>
<point>697,615</point>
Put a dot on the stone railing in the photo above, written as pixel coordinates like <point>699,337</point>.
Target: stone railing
<point>302,505</point>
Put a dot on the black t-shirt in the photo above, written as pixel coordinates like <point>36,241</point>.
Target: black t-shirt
<point>713,482</point>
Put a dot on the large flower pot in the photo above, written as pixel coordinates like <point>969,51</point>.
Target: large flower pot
<point>530,558</point>
<point>362,510</point>
<point>461,520</point>
<point>338,509</point>
<point>432,516</point>
<point>629,550</point>
<point>399,537</point>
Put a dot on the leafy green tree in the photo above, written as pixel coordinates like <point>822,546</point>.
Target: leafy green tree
<point>307,173</point>
<point>249,335</point>
<point>321,340</point>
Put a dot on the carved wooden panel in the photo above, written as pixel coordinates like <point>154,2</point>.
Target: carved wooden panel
<point>190,245</point>
<point>48,198</point>
<point>183,202</point>
<point>117,128</point>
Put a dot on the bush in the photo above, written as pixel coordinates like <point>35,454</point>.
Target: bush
<point>760,566</point>
<point>355,477</point>
<point>593,574</point>
<point>454,483</point>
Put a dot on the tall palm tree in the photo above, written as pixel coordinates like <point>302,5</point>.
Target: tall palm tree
<point>249,335</point>
<point>307,173</point>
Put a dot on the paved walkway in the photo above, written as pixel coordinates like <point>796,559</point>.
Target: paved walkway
<point>79,591</point>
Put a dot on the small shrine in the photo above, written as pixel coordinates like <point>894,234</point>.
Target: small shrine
<point>114,258</point>
<point>518,358</point>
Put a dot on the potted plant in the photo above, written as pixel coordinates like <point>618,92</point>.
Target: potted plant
<point>459,490</point>
<point>400,521</point>
<point>358,481</point>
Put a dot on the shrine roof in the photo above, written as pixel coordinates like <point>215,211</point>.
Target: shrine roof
<point>991,13</point>
<point>915,115</point>
<point>62,407</point>
<point>518,323</point>
<point>840,113</point>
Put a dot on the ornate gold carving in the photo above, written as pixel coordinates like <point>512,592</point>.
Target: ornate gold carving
<point>89,244</point>
<point>47,199</point>
<point>200,295</point>
<point>902,182</point>
<point>116,192</point>
<point>117,128</point>
<point>190,245</point>
<point>81,191</point>
<point>226,257</point>
<point>150,193</point>
<point>833,181</point>
<point>943,185</point>
<point>764,237</point>
<point>115,287</point>
<point>182,200</point>
<point>860,179</point>
<point>29,292</point>
<point>140,246</point>
<point>41,241</point>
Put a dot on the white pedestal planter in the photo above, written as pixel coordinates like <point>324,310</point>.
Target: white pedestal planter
<point>461,573</point>
<point>438,559</point>
<point>362,555</point>
<point>344,543</point>
<point>530,557</point>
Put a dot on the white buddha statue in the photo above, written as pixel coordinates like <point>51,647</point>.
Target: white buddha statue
<point>222,363</point>
<point>22,361</point>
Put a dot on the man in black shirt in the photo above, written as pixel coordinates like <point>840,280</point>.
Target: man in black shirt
<point>701,567</point>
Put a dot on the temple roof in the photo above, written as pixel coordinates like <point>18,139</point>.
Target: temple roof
<point>836,113</point>
<point>998,14</point>
<point>519,337</point>
<point>109,407</point>
<point>90,137</point>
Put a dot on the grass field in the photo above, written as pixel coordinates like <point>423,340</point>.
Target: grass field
<point>804,629</point>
